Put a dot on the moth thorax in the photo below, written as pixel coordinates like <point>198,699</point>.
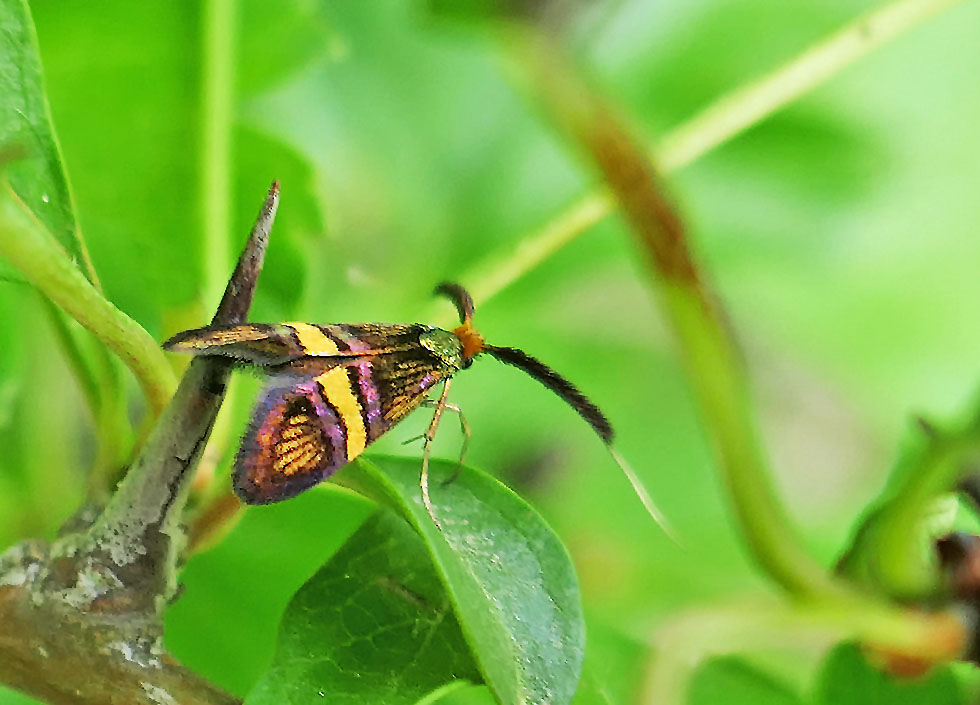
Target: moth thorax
<point>444,345</point>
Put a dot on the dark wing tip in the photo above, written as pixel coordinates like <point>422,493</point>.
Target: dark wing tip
<point>186,341</point>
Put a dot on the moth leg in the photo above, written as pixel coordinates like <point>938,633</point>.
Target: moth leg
<point>430,434</point>
<point>464,428</point>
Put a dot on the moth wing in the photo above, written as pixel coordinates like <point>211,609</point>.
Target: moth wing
<point>276,344</point>
<point>404,379</point>
<point>315,416</point>
<point>254,343</point>
<point>293,441</point>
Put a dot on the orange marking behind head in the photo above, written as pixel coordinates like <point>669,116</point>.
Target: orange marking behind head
<point>471,339</point>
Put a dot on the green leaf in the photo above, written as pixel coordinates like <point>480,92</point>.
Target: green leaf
<point>847,677</point>
<point>374,625</point>
<point>732,681</point>
<point>278,40</point>
<point>121,81</point>
<point>509,578</point>
<point>26,130</point>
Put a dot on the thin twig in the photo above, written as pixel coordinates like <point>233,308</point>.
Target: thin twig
<point>748,105</point>
<point>724,119</point>
<point>28,246</point>
<point>213,521</point>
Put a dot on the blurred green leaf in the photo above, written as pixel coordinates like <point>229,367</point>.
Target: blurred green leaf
<point>261,158</point>
<point>510,580</point>
<point>706,49</point>
<point>26,130</point>
<point>472,695</point>
<point>846,678</point>
<point>279,39</point>
<point>374,625</point>
<point>121,81</point>
<point>734,682</point>
<point>613,668</point>
<point>835,161</point>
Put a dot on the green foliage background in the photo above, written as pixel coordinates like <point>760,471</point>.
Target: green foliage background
<point>841,232</point>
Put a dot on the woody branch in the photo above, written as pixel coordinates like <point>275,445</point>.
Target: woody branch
<point>80,619</point>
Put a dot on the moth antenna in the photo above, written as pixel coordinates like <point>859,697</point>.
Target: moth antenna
<point>559,385</point>
<point>469,336</point>
<point>461,298</point>
<point>588,411</point>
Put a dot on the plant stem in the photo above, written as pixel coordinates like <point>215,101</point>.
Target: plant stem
<point>217,94</point>
<point>65,661</point>
<point>80,366</point>
<point>721,121</point>
<point>29,247</point>
<point>717,374</point>
<point>140,529</point>
<point>102,387</point>
<point>218,36</point>
<point>747,105</point>
<point>714,367</point>
<point>689,640</point>
<point>892,550</point>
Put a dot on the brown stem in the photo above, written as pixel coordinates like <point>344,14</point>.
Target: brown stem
<point>213,522</point>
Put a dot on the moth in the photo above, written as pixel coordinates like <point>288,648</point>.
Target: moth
<point>333,389</point>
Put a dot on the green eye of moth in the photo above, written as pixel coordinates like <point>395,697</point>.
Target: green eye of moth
<point>333,389</point>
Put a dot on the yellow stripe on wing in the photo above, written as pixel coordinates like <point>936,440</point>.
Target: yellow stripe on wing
<point>337,389</point>
<point>313,340</point>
